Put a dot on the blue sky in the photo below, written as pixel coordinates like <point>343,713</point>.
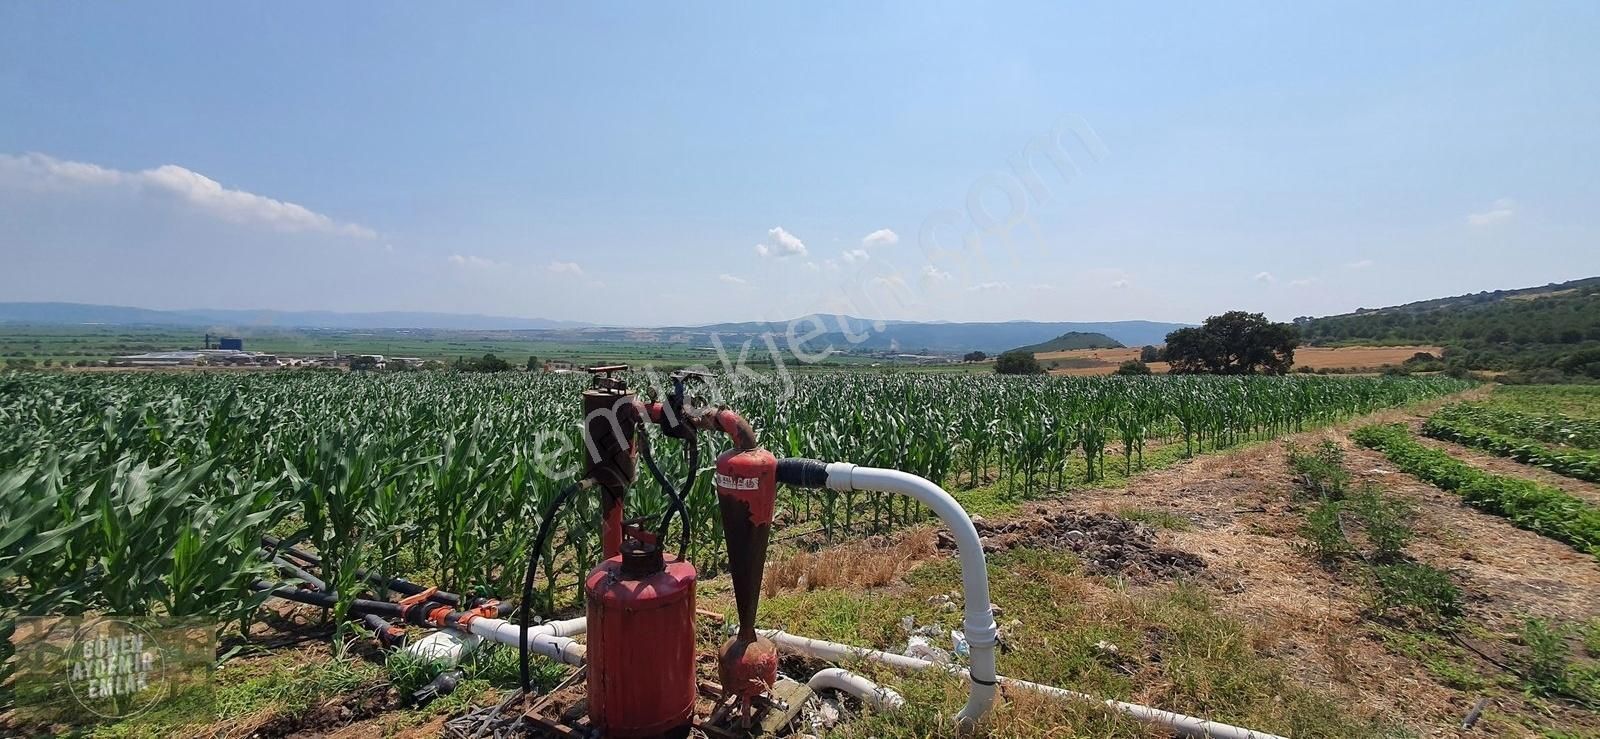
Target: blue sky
<point>700,162</point>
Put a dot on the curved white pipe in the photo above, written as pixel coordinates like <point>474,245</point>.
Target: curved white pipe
<point>978,622</point>
<point>1177,722</point>
<point>552,639</point>
<point>869,692</point>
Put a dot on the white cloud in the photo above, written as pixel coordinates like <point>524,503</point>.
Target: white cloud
<point>1265,278</point>
<point>1302,282</point>
<point>731,280</point>
<point>880,237</point>
<point>851,256</point>
<point>892,281</point>
<point>565,268</point>
<point>813,267</point>
<point>1501,211</point>
<point>830,265</point>
<point>467,260</point>
<point>934,273</point>
<point>784,245</point>
<point>1360,264</point>
<point>1120,284</point>
<point>987,286</point>
<point>43,173</point>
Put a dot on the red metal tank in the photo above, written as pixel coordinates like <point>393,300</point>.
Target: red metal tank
<point>641,644</point>
<point>747,489</point>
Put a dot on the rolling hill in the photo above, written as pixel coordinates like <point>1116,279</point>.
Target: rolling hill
<point>1073,340</point>
<point>1554,328</point>
<point>1558,313</point>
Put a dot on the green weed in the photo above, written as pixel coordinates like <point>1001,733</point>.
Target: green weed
<point>1415,590</point>
<point>1385,519</point>
<point>1325,533</point>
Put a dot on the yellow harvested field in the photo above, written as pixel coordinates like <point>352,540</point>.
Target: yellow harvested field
<point>1105,361</point>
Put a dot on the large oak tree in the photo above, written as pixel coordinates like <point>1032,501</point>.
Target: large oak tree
<point>1234,343</point>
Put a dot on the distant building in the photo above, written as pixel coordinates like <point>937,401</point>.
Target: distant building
<point>234,344</point>
<point>197,357</point>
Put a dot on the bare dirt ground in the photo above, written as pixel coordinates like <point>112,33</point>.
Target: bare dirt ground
<point>1104,361</point>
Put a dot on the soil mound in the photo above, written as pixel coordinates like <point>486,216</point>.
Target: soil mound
<point>1107,544</point>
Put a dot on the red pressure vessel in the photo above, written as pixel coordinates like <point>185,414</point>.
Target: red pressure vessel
<point>641,644</point>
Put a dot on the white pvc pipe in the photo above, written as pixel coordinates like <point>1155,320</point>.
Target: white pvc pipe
<point>978,622</point>
<point>1177,722</point>
<point>869,692</point>
<point>552,639</point>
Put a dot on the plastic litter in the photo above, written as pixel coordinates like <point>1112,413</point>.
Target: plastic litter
<point>958,644</point>
<point>918,646</point>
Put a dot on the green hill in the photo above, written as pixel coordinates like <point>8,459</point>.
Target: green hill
<point>1554,326</point>
<point>1072,340</point>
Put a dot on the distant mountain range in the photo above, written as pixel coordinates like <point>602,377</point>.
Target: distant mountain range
<point>850,332</point>
<point>70,313</point>
<point>835,330</point>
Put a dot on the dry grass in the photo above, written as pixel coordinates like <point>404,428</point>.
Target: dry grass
<point>1081,362</point>
<point>869,563</point>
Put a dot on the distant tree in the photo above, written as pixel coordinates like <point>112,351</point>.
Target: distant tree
<point>1149,353</point>
<point>363,363</point>
<point>974,357</point>
<point>486,363</point>
<point>1234,343</point>
<point>1585,362</point>
<point>1133,367</point>
<point>533,363</point>
<point>1017,362</point>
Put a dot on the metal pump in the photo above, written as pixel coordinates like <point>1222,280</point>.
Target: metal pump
<point>641,601</point>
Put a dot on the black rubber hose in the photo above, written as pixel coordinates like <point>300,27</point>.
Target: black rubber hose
<point>286,567</point>
<point>525,608</point>
<point>803,473</point>
<point>688,487</point>
<point>359,606</point>
<point>381,630</point>
<point>676,503</point>
<point>403,587</point>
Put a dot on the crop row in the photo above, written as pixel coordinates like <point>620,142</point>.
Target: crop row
<point>147,493</point>
<point>1451,425</point>
<point>1528,504</point>
<point>1582,433</point>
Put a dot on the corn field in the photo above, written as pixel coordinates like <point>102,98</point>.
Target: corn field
<point>147,494</point>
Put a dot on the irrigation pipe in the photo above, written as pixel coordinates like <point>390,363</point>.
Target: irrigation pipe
<point>552,639</point>
<point>978,620</point>
<point>869,692</point>
<point>1182,724</point>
